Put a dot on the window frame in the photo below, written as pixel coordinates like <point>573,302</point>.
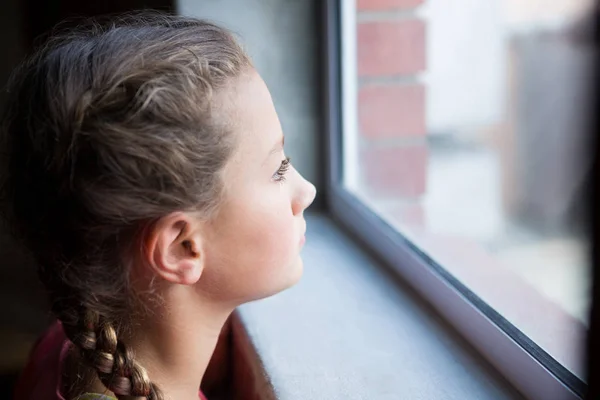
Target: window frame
<point>525,365</point>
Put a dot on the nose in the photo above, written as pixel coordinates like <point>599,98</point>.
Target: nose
<point>304,197</point>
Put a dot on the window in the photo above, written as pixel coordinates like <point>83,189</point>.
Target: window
<point>458,137</point>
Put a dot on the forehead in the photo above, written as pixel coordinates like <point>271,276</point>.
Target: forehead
<point>253,120</point>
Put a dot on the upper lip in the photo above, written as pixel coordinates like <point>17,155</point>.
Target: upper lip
<point>303,231</point>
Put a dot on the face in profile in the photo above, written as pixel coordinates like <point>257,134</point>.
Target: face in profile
<point>253,244</point>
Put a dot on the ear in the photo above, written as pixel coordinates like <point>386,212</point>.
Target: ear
<point>173,248</point>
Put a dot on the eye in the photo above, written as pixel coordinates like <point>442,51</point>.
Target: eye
<point>279,175</point>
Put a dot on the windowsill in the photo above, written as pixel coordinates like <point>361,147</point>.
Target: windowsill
<point>547,274</point>
<point>349,330</point>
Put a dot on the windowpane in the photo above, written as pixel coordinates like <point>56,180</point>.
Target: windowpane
<point>464,127</point>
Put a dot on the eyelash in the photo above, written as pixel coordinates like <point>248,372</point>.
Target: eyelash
<point>279,175</point>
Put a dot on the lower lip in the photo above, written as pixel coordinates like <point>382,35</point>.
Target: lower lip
<point>302,240</point>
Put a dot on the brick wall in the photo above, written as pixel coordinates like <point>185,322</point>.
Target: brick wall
<point>391,101</point>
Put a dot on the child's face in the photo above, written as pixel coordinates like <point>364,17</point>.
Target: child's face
<point>253,246</point>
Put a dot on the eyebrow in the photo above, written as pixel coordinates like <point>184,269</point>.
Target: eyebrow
<point>278,146</point>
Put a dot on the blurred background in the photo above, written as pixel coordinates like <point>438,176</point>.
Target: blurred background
<point>466,129</point>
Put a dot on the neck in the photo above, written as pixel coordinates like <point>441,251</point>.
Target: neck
<point>176,345</point>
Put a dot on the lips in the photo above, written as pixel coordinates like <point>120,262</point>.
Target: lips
<point>303,235</point>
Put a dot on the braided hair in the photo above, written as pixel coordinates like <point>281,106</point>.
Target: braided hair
<point>108,128</point>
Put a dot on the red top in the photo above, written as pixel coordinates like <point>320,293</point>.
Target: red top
<point>41,378</point>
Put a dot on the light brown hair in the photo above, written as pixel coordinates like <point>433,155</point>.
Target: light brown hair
<point>108,128</point>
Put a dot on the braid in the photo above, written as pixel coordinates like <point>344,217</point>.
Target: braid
<point>108,128</point>
<point>110,358</point>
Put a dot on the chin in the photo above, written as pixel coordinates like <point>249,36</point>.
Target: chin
<point>297,271</point>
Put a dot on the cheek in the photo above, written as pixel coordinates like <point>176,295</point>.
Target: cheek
<point>269,240</point>
<point>269,222</point>
<point>257,250</point>
<point>266,238</point>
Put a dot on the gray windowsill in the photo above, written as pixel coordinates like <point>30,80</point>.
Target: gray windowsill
<point>349,331</point>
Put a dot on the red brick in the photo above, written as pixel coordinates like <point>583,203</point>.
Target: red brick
<point>391,47</point>
<point>391,110</point>
<point>399,171</point>
<point>379,5</point>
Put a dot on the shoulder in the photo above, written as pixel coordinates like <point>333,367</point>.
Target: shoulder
<point>41,375</point>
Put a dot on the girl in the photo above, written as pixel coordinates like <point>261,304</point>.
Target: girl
<point>145,171</point>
